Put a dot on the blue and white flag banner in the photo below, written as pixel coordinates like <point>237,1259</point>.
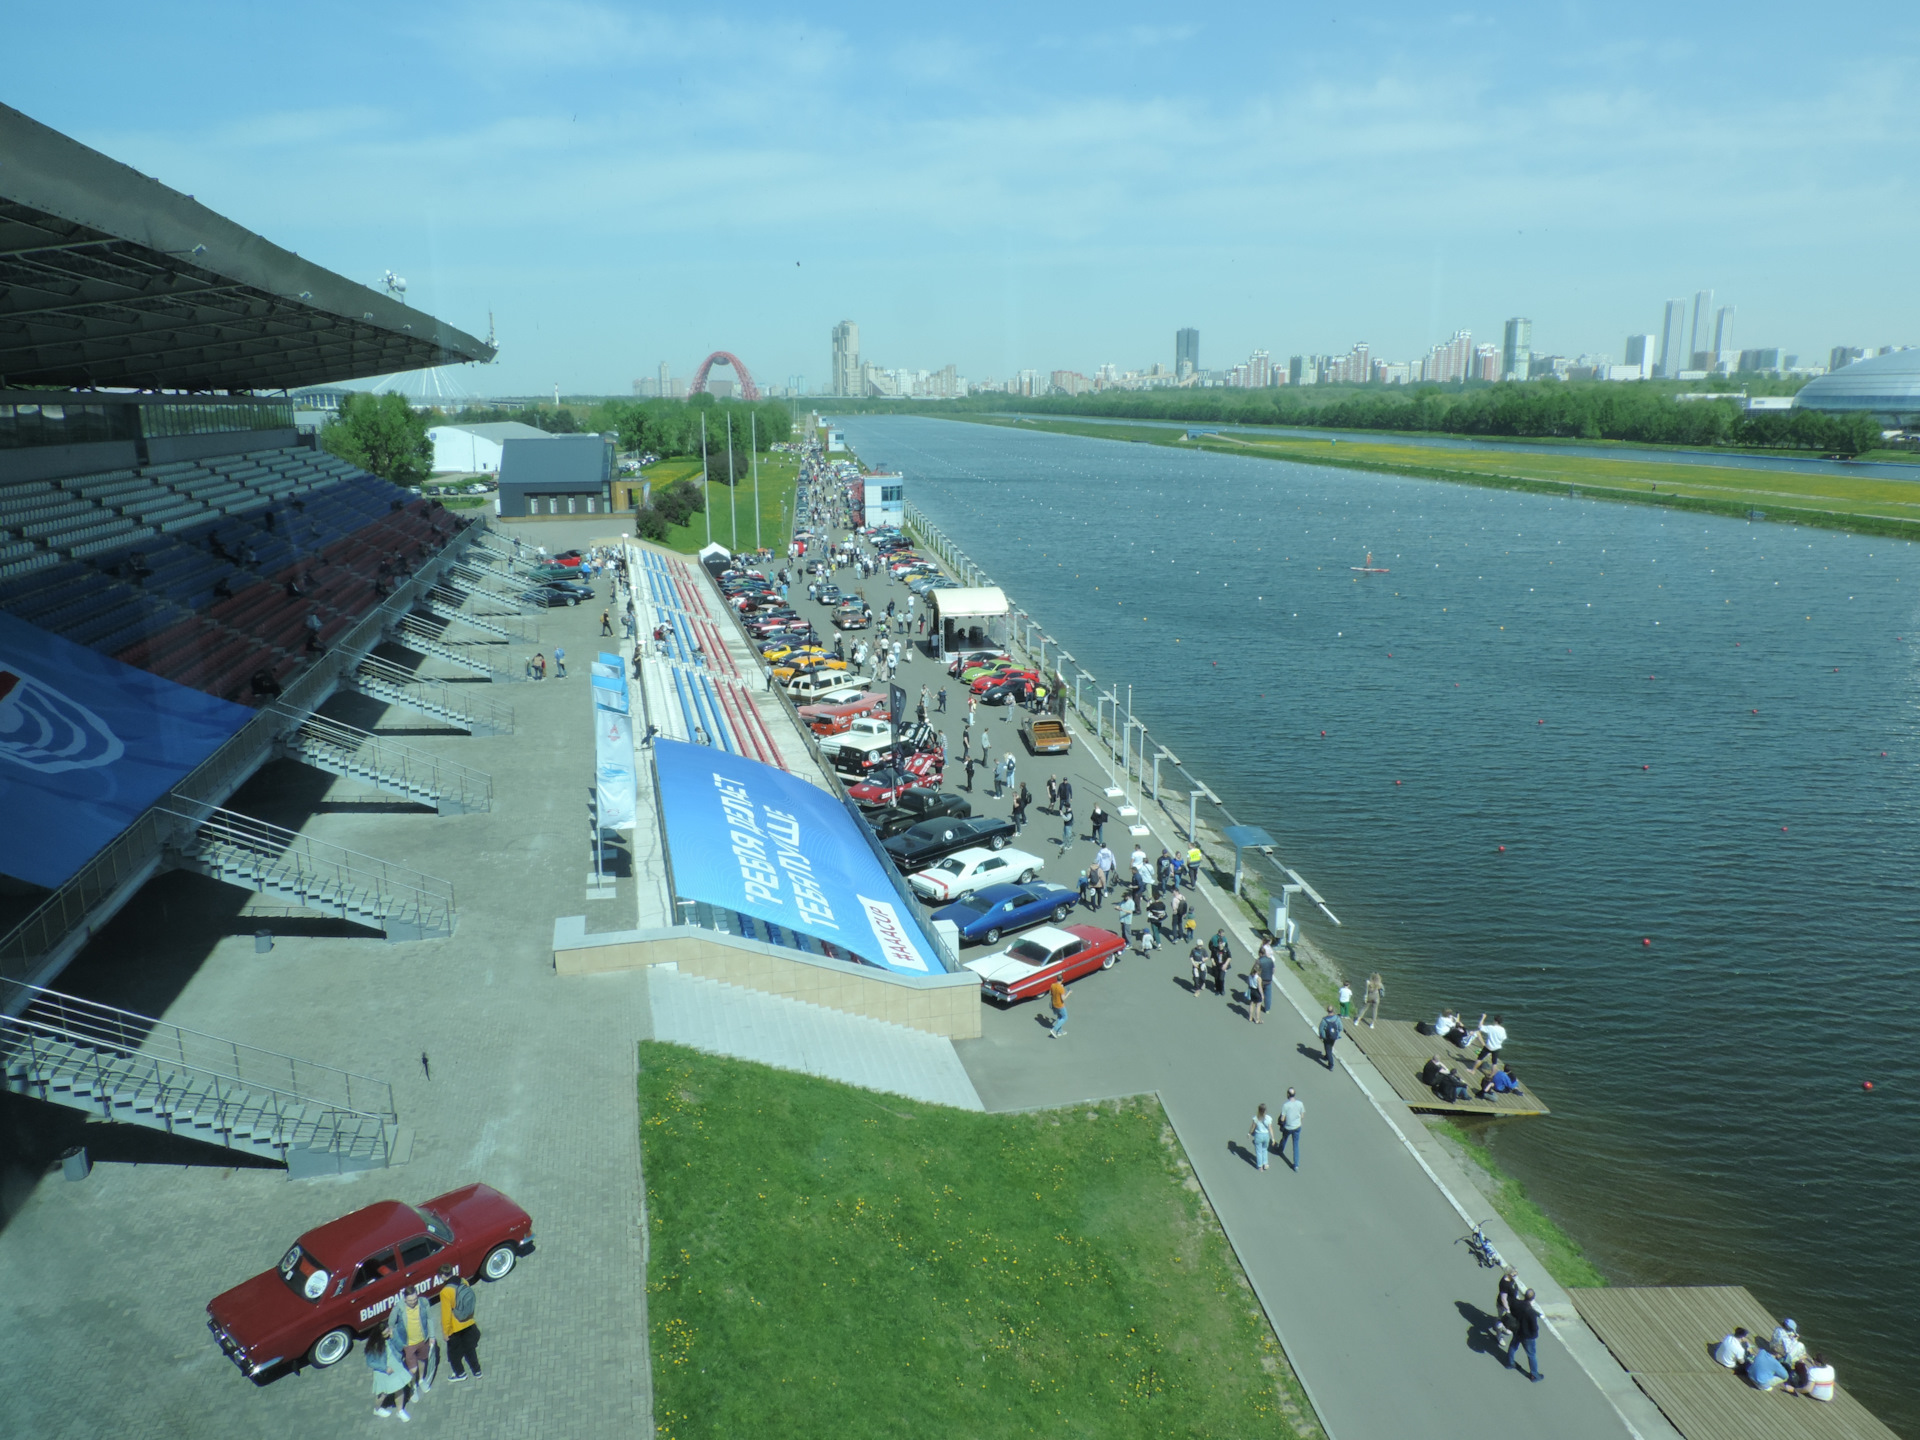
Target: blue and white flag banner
<point>86,745</point>
<point>749,837</point>
<point>609,694</point>
<point>613,769</point>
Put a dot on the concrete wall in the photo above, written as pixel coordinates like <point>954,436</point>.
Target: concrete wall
<point>939,1004</point>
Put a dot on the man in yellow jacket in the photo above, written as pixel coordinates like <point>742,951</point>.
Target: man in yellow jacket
<point>457,1318</point>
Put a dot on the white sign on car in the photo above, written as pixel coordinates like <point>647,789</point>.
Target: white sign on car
<point>966,871</point>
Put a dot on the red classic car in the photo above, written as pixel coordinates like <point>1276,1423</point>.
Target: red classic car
<point>884,785</point>
<point>1001,674</point>
<point>340,1279</point>
<point>1030,965</point>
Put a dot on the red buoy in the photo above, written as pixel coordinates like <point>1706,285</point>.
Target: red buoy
<point>1646,767</point>
<point>1503,849</point>
<point>1866,1084</point>
<point>1646,941</point>
<point>1396,782</point>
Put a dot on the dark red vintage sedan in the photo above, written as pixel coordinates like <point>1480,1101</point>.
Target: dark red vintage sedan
<point>339,1280</point>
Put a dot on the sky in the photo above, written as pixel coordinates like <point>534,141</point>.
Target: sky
<point>1004,186</point>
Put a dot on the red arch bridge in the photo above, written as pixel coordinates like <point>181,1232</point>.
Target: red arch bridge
<point>748,390</point>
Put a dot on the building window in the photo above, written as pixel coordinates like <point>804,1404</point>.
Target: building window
<point>590,504</point>
<point>570,504</point>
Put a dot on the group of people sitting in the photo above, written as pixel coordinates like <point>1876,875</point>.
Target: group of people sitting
<point>1453,1086</point>
<point>1781,1363</point>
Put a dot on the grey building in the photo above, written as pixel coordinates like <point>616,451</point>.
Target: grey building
<point>560,475</point>
<point>1673,340</point>
<point>1697,349</point>
<point>1886,386</point>
<point>846,359</point>
<point>1516,352</point>
<point>1186,352</point>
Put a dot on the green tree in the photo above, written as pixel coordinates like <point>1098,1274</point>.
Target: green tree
<point>383,436</point>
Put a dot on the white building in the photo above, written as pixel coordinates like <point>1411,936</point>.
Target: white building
<point>475,449</point>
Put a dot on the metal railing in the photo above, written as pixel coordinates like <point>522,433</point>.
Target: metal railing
<point>416,636</point>
<point>450,604</point>
<point>323,876</point>
<point>467,705</point>
<point>46,1036</point>
<point>389,764</point>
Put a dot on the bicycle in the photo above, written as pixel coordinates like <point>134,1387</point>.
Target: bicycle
<point>1482,1248</point>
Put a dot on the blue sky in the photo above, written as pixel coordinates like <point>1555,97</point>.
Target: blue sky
<point>1003,186</point>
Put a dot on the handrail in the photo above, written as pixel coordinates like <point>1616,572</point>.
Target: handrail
<point>310,858</point>
<point>88,1022</point>
<point>413,768</point>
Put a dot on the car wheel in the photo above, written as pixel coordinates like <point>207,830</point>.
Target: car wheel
<point>993,937</point>
<point>499,1262</point>
<point>1107,964</point>
<point>998,842</point>
<point>1060,915</point>
<point>331,1348</point>
<point>1027,877</point>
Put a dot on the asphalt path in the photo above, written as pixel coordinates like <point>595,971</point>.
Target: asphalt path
<point>1385,1318</point>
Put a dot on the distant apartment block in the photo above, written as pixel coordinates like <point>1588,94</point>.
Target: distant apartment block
<point>1186,353</point>
<point>1450,360</point>
<point>846,359</point>
<point>1673,340</point>
<point>1516,351</point>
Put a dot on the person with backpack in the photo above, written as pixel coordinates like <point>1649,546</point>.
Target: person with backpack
<point>457,1306</point>
<point>1329,1033</point>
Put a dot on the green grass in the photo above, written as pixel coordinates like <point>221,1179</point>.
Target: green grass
<point>778,475</point>
<point>826,1261</point>
<point>1557,1250</point>
<point>1864,504</point>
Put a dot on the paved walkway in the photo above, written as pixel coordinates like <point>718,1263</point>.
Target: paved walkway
<point>793,1035</point>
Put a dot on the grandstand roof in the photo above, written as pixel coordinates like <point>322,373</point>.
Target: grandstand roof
<point>108,279</point>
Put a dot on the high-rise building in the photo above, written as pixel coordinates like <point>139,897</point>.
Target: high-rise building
<point>1702,319</point>
<point>846,359</point>
<point>1673,340</point>
<point>1186,353</point>
<point>1449,360</point>
<point>1486,362</point>
<point>1302,370</point>
<point>1516,350</point>
<point>1259,371</point>
<point>1843,356</point>
<point>1722,336</point>
<point>1643,353</point>
<point>665,390</point>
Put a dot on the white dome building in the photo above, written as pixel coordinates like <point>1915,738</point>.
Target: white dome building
<point>1887,386</point>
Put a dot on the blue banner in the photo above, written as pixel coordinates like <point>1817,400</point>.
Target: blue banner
<point>614,788</point>
<point>755,839</point>
<point>86,745</point>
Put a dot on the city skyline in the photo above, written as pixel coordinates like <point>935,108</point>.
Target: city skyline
<point>611,197</point>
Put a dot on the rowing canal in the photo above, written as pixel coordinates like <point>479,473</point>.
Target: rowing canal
<point>1694,731</point>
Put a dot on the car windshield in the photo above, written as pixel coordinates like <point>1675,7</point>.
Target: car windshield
<point>305,1276</point>
<point>436,1227</point>
<point>1031,951</point>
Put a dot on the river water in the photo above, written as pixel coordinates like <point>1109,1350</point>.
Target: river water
<point>1689,730</point>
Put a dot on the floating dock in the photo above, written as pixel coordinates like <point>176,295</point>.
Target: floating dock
<point>1399,1052</point>
<point>1664,1337</point>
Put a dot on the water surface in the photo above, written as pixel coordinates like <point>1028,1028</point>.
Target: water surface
<point>1689,730</point>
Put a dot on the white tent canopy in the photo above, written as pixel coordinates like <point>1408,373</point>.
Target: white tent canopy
<point>980,602</point>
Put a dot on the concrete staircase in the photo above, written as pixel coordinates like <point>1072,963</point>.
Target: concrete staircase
<point>793,1035</point>
<point>424,639</point>
<point>136,1070</point>
<point>450,604</point>
<point>501,591</point>
<point>467,706</point>
<point>239,850</point>
<point>401,770</point>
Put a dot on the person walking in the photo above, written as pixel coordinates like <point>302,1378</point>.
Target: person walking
<point>1053,794</point>
<point>1264,964</point>
<point>1293,1114</point>
<point>970,762</point>
<point>559,663</point>
<point>606,622</point>
<point>1066,793</point>
<point>1260,1133</point>
<point>457,1306</point>
<point>392,1381</point>
<point>941,700</point>
<point>1013,769</point>
<point>1194,860</point>
<point>1329,1032</point>
<point>1253,994</point>
<point>1524,1322</point>
<point>1345,998</point>
<point>1126,922</point>
<point>1375,993</point>
<point>1103,857</point>
<point>1057,998</point>
<point>1098,815</point>
<point>1222,964</point>
<point>1020,803</point>
<point>1066,824</point>
<point>1157,920</point>
<point>1177,915</point>
<point>1197,958</point>
<point>420,1335</point>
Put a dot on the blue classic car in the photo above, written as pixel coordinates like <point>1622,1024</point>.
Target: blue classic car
<point>984,916</point>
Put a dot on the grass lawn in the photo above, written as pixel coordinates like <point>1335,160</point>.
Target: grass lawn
<point>777,482</point>
<point>827,1261</point>
<point>1865,503</point>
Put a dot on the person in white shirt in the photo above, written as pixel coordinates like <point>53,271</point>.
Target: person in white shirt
<point>1493,1037</point>
<point>1787,1344</point>
<point>1733,1349</point>
<point>1819,1384</point>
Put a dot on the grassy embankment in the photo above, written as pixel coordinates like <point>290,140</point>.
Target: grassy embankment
<point>777,482</point>
<point>1864,504</point>
<point>827,1261</point>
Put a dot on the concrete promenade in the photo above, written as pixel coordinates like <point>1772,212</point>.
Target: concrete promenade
<point>1387,1320</point>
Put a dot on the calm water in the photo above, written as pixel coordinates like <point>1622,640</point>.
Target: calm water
<point>1726,767</point>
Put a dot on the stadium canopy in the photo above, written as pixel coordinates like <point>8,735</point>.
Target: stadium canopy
<point>111,280</point>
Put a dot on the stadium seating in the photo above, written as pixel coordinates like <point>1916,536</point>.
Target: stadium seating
<point>207,572</point>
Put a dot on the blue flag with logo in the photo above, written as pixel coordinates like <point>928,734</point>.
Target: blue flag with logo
<point>86,745</point>
<point>752,838</point>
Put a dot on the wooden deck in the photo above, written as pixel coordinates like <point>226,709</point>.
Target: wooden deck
<point>1398,1051</point>
<point>1664,1337</point>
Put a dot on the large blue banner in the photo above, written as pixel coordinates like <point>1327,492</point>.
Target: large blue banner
<point>752,838</point>
<point>86,745</point>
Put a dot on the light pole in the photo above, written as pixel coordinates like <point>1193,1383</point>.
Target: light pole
<point>1161,753</point>
<point>706,484</point>
<point>733,488</point>
<point>753,439</point>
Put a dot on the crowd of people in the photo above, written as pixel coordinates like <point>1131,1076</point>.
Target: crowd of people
<point>1780,1362</point>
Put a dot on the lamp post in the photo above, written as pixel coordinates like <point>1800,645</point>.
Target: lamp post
<point>733,489</point>
<point>706,484</point>
<point>1161,753</point>
<point>753,440</point>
